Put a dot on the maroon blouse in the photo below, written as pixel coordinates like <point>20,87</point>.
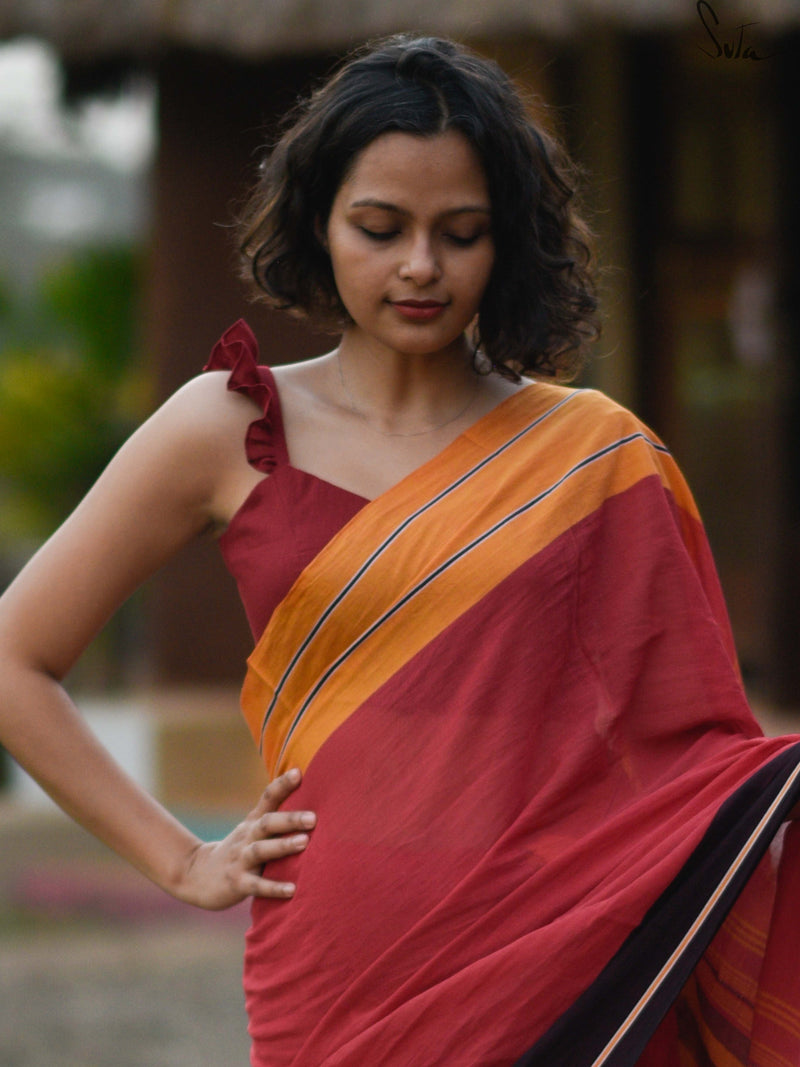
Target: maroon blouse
<point>289,516</point>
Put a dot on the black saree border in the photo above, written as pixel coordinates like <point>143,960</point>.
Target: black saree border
<point>610,1024</point>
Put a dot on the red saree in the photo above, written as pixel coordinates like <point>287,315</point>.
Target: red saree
<point>512,689</point>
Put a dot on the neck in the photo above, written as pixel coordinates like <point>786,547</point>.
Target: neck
<point>401,394</point>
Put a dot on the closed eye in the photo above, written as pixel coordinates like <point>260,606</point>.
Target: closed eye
<point>378,235</point>
<point>463,242</point>
<point>457,239</point>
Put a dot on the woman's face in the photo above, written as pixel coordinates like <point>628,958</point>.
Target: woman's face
<point>410,241</point>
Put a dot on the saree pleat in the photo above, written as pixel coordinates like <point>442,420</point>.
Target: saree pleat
<point>549,829</point>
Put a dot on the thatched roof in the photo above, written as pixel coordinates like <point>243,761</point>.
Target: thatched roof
<point>90,29</point>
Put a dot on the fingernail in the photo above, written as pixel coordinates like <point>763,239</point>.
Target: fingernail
<point>300,840</point>
<point>293,775</point>
<point>288,889</point>
<point>308,818</point>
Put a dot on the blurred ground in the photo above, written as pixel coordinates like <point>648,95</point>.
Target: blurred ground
<point>100,969</point>
<point>122,998</point>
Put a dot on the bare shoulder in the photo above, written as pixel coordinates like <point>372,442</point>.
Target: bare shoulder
<point>201,432</point>
<point>204,410</point>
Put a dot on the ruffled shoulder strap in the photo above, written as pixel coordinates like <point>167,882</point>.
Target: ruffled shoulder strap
<point>237,352</point>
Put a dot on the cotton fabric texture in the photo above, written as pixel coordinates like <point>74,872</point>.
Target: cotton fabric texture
<point>550,831</point>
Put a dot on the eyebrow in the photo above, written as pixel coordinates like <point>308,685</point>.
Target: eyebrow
<point>466,209</point>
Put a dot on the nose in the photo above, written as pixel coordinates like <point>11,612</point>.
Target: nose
<point>421,264</point>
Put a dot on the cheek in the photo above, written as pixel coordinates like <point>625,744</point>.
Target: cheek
<point>341,267</point>
<point>349,276</point>
<point>347,259</point>
<point>356,282</point>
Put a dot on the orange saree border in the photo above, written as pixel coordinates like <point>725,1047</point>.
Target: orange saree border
<point>412,561</point>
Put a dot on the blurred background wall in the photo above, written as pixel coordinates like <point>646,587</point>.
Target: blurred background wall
<point>118,269</point>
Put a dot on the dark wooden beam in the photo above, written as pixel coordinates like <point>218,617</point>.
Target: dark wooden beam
<point>213,114</point>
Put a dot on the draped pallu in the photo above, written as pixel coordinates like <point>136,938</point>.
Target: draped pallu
<point>549,829</point>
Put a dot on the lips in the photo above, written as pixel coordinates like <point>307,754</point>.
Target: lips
<point>419,310</point>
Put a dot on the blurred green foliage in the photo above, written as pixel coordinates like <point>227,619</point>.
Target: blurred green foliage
<point>71,386</point>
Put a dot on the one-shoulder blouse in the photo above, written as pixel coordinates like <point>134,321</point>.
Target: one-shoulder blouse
<point>290,515</point>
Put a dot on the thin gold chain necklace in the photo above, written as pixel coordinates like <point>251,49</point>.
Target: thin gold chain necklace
<point>396,433</point>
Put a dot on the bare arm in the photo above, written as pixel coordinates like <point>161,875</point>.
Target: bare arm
<point>180,474</point>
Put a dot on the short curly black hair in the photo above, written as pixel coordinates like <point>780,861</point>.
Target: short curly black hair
<point>539,310</point>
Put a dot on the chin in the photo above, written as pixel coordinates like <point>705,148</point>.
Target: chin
<point>420,345</point>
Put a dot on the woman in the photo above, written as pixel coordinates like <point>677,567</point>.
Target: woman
<point>489,634</point>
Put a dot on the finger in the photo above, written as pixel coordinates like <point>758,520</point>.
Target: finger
<point>285,822</point>
<point>278,790</point>
<point>265,887</point>
<point>254,884</point>
<point>274,848</point>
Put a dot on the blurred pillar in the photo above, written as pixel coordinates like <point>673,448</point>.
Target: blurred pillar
<point>649,123</point>
<point>786,620</point>
<point>213,113</point>
<point>601,140</point>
